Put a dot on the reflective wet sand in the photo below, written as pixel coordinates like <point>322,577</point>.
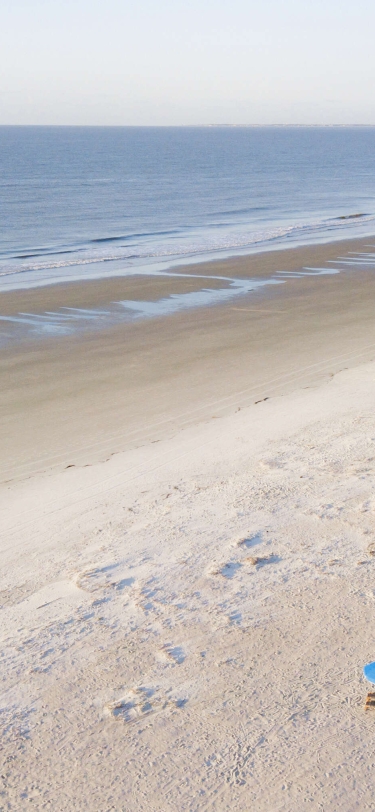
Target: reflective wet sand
<point>77,398</point>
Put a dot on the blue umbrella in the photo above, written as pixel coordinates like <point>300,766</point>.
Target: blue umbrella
<point>369,672</point>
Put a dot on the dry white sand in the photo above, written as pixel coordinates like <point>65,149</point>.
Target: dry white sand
<point>184,625</point>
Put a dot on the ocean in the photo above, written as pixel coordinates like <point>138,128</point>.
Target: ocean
<point>90,202</point>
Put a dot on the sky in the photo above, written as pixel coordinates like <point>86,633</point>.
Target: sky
<point>187,62</point>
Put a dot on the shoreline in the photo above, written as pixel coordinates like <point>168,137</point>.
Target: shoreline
<point>76,399</point>
<point>253,264</point>
<point>57,310</point>
<point>95,268</point>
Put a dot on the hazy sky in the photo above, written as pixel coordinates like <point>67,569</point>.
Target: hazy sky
<point>187,62</point>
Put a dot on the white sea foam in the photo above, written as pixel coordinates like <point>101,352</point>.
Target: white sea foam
<point>186,248</point>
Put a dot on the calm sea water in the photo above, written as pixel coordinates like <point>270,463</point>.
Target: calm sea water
<point>87,202</point>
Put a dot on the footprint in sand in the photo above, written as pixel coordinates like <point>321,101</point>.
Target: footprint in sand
<point>230,569</point>
<point>227,570</point>
<point>141,702</point>
<point>151,598</point>
<point>249,541</point>
<point>172,653</point>
<point>258,561</point>
<point>104,578</point>
<point>273,463</point>
<point>235,618</point>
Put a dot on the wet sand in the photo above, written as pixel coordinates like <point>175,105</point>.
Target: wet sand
<point>77,399</point>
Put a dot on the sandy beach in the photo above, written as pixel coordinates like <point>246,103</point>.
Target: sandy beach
<point>188,547</point>
<point>75,400</point>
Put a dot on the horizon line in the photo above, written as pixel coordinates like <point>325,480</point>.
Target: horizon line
<point>201,126</point>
